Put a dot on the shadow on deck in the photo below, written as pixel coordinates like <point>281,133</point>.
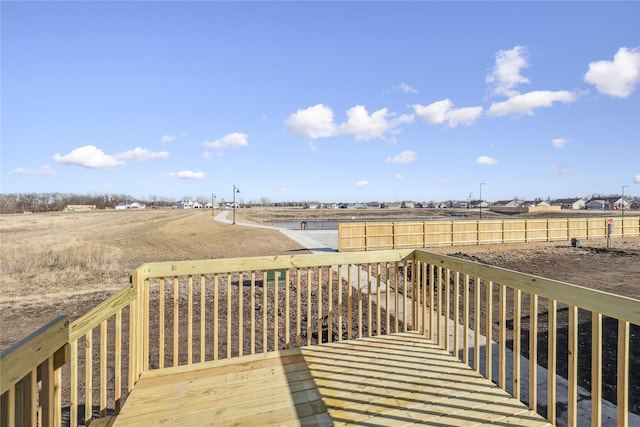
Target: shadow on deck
<point>398,379</point>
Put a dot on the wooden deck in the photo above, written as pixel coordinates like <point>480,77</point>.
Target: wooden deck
<point>399,379</point>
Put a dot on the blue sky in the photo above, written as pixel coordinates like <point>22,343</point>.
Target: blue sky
<point>327,101</point>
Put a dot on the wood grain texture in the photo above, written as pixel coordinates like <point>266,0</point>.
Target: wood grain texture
<point>399,379</point>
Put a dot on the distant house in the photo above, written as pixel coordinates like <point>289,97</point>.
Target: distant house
<point>479,204</point>
<point>597,204</point>
<point>134,205</point>
<point>184,204</point>
<point>620,203</point>
<point>507,203</point>
<point>569,203</point>
<point>457,204</point>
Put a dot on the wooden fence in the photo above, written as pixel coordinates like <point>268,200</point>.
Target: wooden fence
<point>370,236</point>
<point>189,312</point>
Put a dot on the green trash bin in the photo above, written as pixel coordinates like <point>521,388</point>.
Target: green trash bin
<point>272,275</point>
<point>575,242</point>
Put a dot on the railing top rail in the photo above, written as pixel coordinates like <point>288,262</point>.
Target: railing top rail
<point>224,265</point>
<point>607,304</point>
<point>19,359</point>
<point>103,311</point>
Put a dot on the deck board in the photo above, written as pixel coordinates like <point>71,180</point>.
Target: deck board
<point>399,379</point>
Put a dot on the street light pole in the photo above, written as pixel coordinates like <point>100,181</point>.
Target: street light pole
<point>481,184</point>
<point>235,190</point>
<point>212,210</point>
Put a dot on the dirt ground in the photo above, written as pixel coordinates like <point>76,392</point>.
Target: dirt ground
<point>29,297</point>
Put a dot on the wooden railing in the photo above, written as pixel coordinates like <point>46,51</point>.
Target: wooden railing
<point>483,303</point>
<point>189,312</point>
<point>31,376</point>
<point>369,236</point>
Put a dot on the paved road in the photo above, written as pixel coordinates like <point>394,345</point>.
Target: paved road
<point>317,241</point>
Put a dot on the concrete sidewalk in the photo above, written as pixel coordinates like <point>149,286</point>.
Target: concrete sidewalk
<point>317,241</point>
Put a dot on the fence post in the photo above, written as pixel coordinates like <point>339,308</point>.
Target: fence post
<point>366,233</point>
<point>393,235</point>
<point>136,316</point>
<point>548,231</point>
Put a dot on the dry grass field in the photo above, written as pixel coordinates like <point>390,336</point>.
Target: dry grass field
<point>68,262</point>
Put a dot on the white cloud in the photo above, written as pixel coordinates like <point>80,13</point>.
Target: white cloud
<point>312,146</point>
<point>399,176</point>
<point>282,190</point>
<point>167,138</point>
<point>230,140</point>
<point>559,142</point>
<point>442,181</point>
<point>401,120</point>
<point>313,122</point>
<point>484,160</point>
<point>464,116</point>
<point>89,156</point>
<point>434,113</point>
<point>364,126</point>
<point>404,157</point>
<point>527,102</point>
<point>317,122</point>
<point>362,184</point>
<point>618,77</point>
<point>403,87</point>
<point>186,174</point>
<point>41,170</point>
<point>636,179</point>
<point>440,112</point>
<point>139,154</point>
<point>506,72</point>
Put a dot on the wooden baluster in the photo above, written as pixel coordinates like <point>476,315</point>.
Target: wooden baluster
<point>533,352</point>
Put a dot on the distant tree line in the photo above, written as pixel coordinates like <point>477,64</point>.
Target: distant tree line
<point>51,202</point>
<point>56,202</point>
